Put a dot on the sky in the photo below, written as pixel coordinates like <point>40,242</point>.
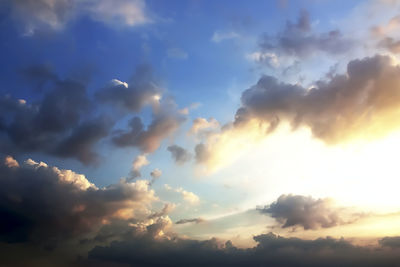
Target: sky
<point>186,133</point>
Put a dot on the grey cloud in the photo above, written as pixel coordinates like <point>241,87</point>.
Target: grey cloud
<point>271,250</point>
<point>132,96</point>
<point>338,109</point>
<point>310,213</point>
<point>194,220</point>
<point>60,123</point>
<point>45,205</point>
<point>179,154</point>
<point>390,44</point>
<point>390,241</point>
<point>165,122</point>
<point>298,39</point>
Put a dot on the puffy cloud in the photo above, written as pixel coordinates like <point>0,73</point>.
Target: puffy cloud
<point>45,205</point>
<point>60,123</point>
<point>133,96</point>
<point>187,196</point>
<point>166,120</point>
<point>155,174</point>
<point>298,39</point>
<point>267,58</point>
<point>179,154</point>
<point>363,103</point>
<point>137,164</point>
<point>148,140</point>
<point>310,213</point>
<point>202,127</point>
<point>194,220</point>
<point>44,15</point>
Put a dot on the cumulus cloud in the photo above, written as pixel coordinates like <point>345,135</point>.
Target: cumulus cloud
<point>60,123</point>
<point>307,212</point>
<point>201,127</point>
<point>43,204</point>
<point>363,103</point>
<point>148,140</point>
<point>179,154</point>
<point>194,220</point>
<point>187,196</point>
<point>137,164</point>
<point>299,40</point>
<point>54,15</point>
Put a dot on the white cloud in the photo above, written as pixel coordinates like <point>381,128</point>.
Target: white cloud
<point>270,59</point>
<point>187,196</point>
<point>221,36</point>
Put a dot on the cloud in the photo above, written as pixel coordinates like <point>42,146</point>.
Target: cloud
<point>179,154</point>
<point>222,36</point>
<point>120,12</point>
<point>363,103</point>
<point>194,220</point>
<point>391,45</point>
<point>61,122</point>
<point>299,40</point>
<point>142,90</point>
<point>137,164</point>
<point>155,174</point>
<point>148,140</point>
<point>54,15</point>
<point>307,212</point>
<point>267,58</point>
<point>187,196</point>
<point>271,250</point>
<point>202,127</point>
<point>45,205</point>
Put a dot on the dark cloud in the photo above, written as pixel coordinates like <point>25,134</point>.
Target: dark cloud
<point>165,122</point>
<point>299,40</point>
<point>271,250</point>
<point>363,103</point>
<point>45,205</point>
<point>194,220</point>
<point>179,154</point>
<point>392,242</point>
<point>81,141</point>
<point>60,123</point>
<point>310,213</point>
<point>141,90</point>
